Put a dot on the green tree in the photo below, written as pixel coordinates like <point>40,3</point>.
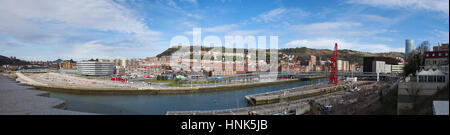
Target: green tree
<point>416,59</point>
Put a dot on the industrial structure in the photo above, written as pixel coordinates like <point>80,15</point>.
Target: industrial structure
<point>382,65</point>
<point>333,69</point>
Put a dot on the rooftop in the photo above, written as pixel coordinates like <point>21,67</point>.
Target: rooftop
<point>431,72</point>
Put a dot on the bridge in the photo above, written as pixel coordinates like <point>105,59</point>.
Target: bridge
<point>342,74</point>
<point>250,77</point>
<point>315,73</point>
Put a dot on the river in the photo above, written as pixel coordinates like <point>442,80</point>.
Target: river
<point>158,104</point>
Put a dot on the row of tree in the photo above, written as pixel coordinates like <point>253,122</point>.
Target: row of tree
<point>11,61</point>
<point>162,77</point>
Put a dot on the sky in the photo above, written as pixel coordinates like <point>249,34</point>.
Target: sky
<point>84,29</point>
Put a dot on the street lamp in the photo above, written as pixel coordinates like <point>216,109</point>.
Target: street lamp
<point>215,107</point>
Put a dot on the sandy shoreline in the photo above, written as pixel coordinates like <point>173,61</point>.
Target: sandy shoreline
<point>18,100</point>
<point>126,89</point>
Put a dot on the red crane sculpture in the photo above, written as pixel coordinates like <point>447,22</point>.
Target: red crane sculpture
<point>333,71</point>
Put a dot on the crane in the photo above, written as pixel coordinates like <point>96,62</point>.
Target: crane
<point>333,65</point>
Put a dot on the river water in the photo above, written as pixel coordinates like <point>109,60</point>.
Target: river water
<point>158,104</point>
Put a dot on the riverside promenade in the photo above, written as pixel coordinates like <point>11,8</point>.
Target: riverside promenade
<point>17,99</point>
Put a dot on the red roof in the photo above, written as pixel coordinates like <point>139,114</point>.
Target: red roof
<point>437,54</point>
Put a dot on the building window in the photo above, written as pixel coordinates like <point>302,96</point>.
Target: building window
<point>432,54</point>
<point>446,54</point>
<point>440,79</point>
<point>428,55</point>
<point>439,54</point>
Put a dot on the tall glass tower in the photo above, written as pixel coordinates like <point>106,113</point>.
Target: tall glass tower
<point>409,46</point>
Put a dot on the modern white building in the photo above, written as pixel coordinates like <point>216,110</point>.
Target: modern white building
<point>387,68</point>
<point>95,68</point>
<point>378,66</point>
<point>431,76</point>
<point>397,68</point>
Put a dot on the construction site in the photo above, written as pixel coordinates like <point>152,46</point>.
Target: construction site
<point>338,96</point>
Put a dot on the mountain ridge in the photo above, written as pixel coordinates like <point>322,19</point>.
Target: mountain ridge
<point>303,53</point>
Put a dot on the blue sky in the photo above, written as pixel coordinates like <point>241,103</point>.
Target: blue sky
<point>83,29</point>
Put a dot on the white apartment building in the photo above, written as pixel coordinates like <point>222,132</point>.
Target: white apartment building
<point>95,68</point>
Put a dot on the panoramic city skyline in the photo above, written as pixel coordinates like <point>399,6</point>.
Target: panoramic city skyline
<point>227,58</point>
<point>48,30</point>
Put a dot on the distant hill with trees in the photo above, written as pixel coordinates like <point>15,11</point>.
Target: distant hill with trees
<point>11,61</point>
<point>303,54</point>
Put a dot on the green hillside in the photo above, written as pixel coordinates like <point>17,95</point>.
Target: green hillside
<point>303,54</point>
<point>352,56</point>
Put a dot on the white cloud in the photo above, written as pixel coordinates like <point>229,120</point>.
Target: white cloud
<point>195,16</point>
<point>269,16</point>
<point>57,20</point>
<point>189,33</point>
<point>228,30</point>
<point>172,3</point>
<point>383,39</point>
<point>189,24</point>
<point>324,43</point>
<point>336,29</point>
<point>190,1</point>
<point>280,14</point>
<point>244,32</point>
<point>431,5</point>
<point>442,35</point>
<point>328,26</point>
<point>95,49</point>
<point>223,1</point>
<point>222,28</point>
<point>376,18</point>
